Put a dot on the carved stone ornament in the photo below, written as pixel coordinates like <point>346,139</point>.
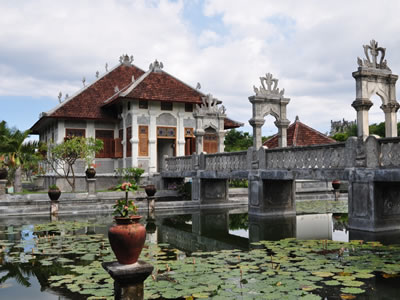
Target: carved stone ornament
<point>156,66</point>
<point>210,105</point>
<point>269,86</point>
<point>372,62</point>
<point>126,59</point>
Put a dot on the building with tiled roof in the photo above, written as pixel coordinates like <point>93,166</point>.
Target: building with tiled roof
<point>140,116</point>
<point>299,134</point>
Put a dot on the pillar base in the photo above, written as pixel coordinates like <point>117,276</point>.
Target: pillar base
<point>128,279</point>
<point>91,187</point>
<point>271,197</point>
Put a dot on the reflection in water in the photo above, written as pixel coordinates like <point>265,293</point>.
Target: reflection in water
<point>201,230</point>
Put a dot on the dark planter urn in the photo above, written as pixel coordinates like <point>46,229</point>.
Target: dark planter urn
<point>127,239</point>
<point>150,190</point>
<point>90,173</point>
<point>3,173</point>
<point>54,194</point>
<point>336,184</point>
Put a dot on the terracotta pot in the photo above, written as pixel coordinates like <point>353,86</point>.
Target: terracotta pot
<point>54,194</point>
<point>127,239</point>
<point>3,173</point>
<point>90,173</point>
<point>150,190</point>
<point>336,184</point>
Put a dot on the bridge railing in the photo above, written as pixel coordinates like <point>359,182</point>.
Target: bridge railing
<point>178,164</point>
<point>373,153</point>
<point>383,153</point>
<point>229,161</point>
<point>308,157</point>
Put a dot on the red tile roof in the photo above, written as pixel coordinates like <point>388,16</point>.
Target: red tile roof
<point>229,124</point>
<point>299,134</point>
<point>88,103</point>
<point>161,86</point>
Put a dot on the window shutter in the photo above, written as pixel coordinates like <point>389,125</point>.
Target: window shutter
<point>143,141</point>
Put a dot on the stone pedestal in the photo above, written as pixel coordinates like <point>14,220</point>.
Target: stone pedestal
<point>54,207</point>
<point>271,197</point>
<point>3,183</point>
<point>207,190</point>
<point>374,200</point>
<point>91,187</point>
<point>151,204</point>
<point>128,279</point>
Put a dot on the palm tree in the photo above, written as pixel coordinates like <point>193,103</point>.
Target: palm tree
<point>17,152</point>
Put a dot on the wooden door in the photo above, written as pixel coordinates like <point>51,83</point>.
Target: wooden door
<point>107,136</point>
<point>210,143</point>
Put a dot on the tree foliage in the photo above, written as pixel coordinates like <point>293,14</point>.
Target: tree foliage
<point>376,129</point>
<point>237,140</point>
<point>62,157</point>
<point>17,154</point>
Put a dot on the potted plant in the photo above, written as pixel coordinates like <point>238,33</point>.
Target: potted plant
<point>91,171</point>
<point>336,184</point>
<point>127,236</point>
<point>54,192</point>
<point>90,148</point>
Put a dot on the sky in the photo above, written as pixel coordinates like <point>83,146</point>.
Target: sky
<point>311,46</point>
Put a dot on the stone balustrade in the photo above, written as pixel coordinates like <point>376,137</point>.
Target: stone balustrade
<point>374,153</point>
<point>389,152</point>
<point>178,164</point>
<point>308,157</point>
<point>227,162</point>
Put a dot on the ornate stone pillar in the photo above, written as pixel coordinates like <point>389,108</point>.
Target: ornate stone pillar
<point>362,107</point>
<point>390,111</point>
<point>199,133</point>
<point>134,141</point>
<point>180,135</point>
<point>257,134</point>
<point>375,77</point>
<point>268,99</point>
<point>282,130</point>
<point>124,141</point>
<point>153,142</point>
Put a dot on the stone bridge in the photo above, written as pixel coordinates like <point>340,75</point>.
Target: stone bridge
<point>371,167</point>
<point>370,164</point>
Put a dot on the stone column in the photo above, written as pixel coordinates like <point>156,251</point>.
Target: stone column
<point>257,134</point>
<point>91,187</point>
<point>124,141</point>
<point>362,106</point>
<point>282,130</point>
<point>153,142</point>
<point>180,134</point>
<point>221,144</point>
<point>3,183</point>
<point>199,133</point>
<point>128,279</point>
<point>134,141</point>
<point>390,111</point>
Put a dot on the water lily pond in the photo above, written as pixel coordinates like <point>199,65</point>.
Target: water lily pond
<point>209,254</point>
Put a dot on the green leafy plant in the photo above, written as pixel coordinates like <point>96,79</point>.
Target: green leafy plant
<point>54,187</point>
<point>62,157</point>
<point>125,207</point>
<point>129,174</point>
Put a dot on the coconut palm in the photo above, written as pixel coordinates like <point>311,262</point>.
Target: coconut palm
<point>16,152</point>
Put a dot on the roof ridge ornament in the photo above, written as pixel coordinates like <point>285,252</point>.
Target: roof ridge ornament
<point>156,66</point>
<point>210,105</point>
<point>271,87</point>
<point>126,60</point>
<point>59,97</point>
<point>372,62</point>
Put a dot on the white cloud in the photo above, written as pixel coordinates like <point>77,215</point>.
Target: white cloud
<point>310,46</point>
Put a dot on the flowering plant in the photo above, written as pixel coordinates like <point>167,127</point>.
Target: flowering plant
<point>125,207</point>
